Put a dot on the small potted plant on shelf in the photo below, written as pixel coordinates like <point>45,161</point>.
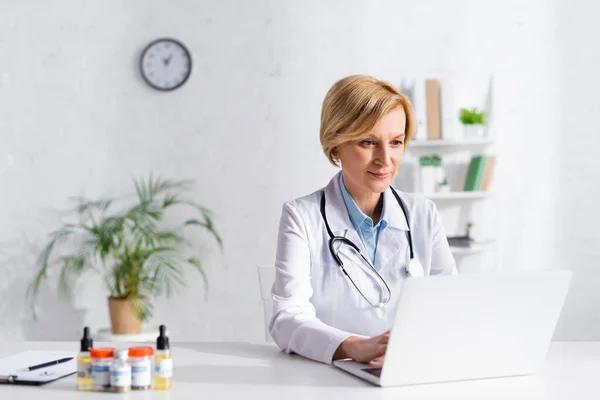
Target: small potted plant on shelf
<point>432,175</point>
<point>473,122</point>
<point>129,247</point>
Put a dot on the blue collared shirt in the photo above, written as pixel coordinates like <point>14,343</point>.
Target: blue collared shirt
<point>363,224</point>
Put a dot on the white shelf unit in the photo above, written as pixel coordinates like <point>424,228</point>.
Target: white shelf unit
<point>459,195</point>
<point>458,144</point>
<point>475,248</point>
<point>462,150</point>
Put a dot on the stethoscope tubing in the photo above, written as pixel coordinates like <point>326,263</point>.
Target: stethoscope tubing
<point>333,239</point>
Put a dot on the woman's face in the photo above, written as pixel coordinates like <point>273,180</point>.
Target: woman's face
<point>370,164</point>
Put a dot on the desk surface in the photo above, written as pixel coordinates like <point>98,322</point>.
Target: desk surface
<point>261,371</point>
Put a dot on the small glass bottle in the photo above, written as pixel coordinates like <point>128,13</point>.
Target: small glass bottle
<point>120,372</point>
<point>84,362</point>
<point>140,359</point>
<point>163,363</point>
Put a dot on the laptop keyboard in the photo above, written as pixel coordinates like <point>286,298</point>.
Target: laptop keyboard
<point>373,371</point>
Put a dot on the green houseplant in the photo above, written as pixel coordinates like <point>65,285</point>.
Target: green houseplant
<point>129,247</point>
<point>473,122</point>
<point>472,116</point>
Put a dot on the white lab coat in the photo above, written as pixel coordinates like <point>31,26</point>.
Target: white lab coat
<point>315,307</point>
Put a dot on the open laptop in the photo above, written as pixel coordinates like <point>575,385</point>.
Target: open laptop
<point>460,327</point>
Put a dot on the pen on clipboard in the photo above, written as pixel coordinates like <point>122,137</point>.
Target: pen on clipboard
<point>48,364</point>
<point>12,378</point>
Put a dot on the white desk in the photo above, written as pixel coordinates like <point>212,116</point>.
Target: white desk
<point>225,371</point>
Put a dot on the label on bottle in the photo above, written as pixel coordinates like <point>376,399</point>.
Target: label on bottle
<point>164,368</point>
<point>120,376</point>
<point>84,369</point>
<point>100,374</point>
<point>141,373</point>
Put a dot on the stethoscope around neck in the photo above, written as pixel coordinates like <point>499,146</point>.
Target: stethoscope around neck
<point>413,268</point>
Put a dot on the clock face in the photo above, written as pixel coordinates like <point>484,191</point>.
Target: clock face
<point>165,64</point>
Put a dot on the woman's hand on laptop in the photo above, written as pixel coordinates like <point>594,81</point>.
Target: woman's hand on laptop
<point>363,350</point>
<point>378,362</point>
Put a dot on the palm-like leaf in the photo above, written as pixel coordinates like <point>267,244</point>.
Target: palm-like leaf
<point>206,223</point>
<point>134,255</point>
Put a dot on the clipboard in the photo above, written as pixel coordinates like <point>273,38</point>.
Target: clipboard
<point>14,369</point>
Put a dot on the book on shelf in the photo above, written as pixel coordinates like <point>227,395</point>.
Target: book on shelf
<point>480,173</point>
<point>432,94</point>
<point>488,173</point>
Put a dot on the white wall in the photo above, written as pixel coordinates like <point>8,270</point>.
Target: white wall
<point>577,166</point>
<point>75,117</point>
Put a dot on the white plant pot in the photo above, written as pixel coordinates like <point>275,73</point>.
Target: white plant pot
<point>440,176</point>
<point>473,131</point>
<point>430,177</point>
<point>440,187</point>
<point>443,189</point>
<point>426,177</point>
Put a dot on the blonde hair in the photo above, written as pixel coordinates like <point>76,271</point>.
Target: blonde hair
<point>354,106</point>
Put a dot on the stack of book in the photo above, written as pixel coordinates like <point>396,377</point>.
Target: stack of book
<point>480,173</point>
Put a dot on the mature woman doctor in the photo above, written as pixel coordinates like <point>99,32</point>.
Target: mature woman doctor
<point>344,251</point>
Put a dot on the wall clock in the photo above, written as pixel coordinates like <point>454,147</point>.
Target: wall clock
<point>165,64</point>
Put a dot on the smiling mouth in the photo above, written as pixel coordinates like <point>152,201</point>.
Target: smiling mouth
<point>379,176</point>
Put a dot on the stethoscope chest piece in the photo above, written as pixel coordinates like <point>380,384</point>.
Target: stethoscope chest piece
<point>414,268</point>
